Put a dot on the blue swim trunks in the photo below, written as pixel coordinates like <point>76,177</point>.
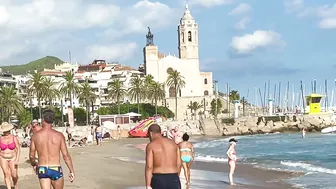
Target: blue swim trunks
<point>99,135</point>
<point>49,172</point>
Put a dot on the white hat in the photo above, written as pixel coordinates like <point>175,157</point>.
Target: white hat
<point>34,121</point>
<point>5,126</point>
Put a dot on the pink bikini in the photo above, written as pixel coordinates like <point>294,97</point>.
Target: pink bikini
<point>10,146</point>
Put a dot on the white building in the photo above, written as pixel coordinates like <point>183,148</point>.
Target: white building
<point>199,85</point>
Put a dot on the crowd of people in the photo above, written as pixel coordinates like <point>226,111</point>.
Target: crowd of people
<point>167,155</point>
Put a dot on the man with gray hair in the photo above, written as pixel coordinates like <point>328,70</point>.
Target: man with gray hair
<point>163,161</point>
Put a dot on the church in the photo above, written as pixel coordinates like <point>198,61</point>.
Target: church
<point>198,84</point>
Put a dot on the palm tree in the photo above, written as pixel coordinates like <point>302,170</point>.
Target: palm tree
<point>149,79</point>
<point>176,81</point>
<point>234,95</point>
<point>51,93</point>
<point>69,87</point>
<point>157,92</point>
<point>86,97</point>
<point>194,106</point>
<point>10,102</point>
<point>36,87</point>
<point>116,91</point>
<point>136,90</point>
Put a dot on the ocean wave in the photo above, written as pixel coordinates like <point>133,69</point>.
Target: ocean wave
<point>309,167</point>
<point>214,143</point>
<point>210,159</point>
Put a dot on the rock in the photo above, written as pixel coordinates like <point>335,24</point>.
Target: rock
<point>269,123</point>
<point>254,129</point>
<point>230,130</point>
<point>278,125</point>
<point>243,130</point>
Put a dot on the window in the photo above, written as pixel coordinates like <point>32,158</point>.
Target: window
<point>182,36</point>
<point>172,92</point>
<point>205,81</point>
<point>189,36</point>
<point>180,92</point>
<point>206,93</point>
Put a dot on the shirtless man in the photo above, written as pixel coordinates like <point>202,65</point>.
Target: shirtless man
<point>48,143</point>
<point>163,161</point>
<point>99,135</point>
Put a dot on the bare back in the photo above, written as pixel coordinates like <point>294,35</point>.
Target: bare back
<point>165,155</point>
<point>186,144</point>
<point>48,144</point>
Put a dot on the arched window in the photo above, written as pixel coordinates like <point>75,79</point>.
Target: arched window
<point>172,92</point>
<point>189,36</point>
<point>206,93</point>
<point>205,81</point>
<point>182,36</point>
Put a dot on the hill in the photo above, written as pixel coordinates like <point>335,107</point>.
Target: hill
<point>46,62</point>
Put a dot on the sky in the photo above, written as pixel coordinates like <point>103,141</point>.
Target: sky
<point>245,43</point>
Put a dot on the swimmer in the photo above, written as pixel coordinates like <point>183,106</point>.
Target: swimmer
<point>50,144</point>
<point>231,154</point>
<point>187,156</point>
<point>163,161</point>
<point>303,132</point>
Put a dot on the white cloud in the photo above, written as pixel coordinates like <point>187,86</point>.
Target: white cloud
<point>259,39</point>
<point>241,24</point>
<point>120,51</point>
<point>242,8</point>
<point>294,5</point>
<point>210,3</point>
<point>74,25</point>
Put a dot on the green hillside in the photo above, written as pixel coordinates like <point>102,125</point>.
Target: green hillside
<point>39,65</point>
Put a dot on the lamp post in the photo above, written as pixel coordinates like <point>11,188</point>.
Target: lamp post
<point>216,97</point>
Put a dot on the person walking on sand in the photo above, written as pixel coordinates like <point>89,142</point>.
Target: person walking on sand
<point>163,161</point>
<point>119,132</point>
<point>69,133</point>
<point>187,156</point>
<point>99,134</point>
<point>49,144</point>
<point>232,158</point>
<point>9,155</point>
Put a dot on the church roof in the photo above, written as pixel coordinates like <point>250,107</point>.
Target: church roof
<point>187,15</point>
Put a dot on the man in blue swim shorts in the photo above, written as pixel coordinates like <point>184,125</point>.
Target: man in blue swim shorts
<point>99,135</point>
<point>48,143</point>
<point>163,161</point>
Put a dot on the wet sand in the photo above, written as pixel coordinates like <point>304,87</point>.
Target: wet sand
<point>98,167</point>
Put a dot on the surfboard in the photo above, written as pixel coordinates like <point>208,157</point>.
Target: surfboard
<point>329,129</point>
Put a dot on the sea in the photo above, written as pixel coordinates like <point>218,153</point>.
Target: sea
<point>314,155</point>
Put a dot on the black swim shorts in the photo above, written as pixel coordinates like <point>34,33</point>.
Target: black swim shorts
<point>165,181</point>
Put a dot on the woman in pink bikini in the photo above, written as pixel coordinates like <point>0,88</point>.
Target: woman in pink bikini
<point>232,157</point>
<point>9,155</point>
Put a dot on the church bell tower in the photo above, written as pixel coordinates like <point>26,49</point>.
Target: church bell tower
<point>188,36</point>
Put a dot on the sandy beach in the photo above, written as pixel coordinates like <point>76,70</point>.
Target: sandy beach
<point>119,165</point>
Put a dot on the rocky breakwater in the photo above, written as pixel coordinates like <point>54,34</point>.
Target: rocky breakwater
<point>192,127</point>
<point>259,125</point>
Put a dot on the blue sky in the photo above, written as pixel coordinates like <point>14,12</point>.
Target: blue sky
<point>244,42</point>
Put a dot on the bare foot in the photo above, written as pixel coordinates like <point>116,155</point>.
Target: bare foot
<point>232,184</point>
<point>16,186</point>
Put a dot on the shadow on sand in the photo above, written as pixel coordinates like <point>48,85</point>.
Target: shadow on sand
<point>3,187</point>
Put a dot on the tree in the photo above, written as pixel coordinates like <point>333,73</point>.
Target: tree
<point>219,105</point>
<point>9,102</point>
<point>69,87</point>
<point>176,81</point>
<point>25,117</point>
<point>157,92</point>
<point>37,88</point>
<point>234,95</point>
<point>50,92</point>
<point>136,90</point>
<point>194,106</point>
<point>116,91</point>
<point>149,79</point>
<point>86,97</point>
